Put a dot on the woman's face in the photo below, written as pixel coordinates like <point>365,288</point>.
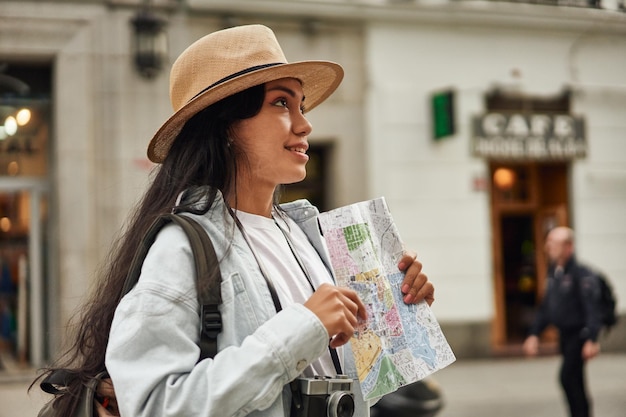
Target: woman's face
<point>275,140</point>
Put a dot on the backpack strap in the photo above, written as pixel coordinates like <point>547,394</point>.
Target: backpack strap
<point>208,283</point>
<point>208,276</point>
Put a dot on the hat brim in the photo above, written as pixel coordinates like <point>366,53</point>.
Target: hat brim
<point>319,80</point>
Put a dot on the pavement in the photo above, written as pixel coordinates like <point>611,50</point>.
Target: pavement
<point>528,387</point>
<point>496,387</point>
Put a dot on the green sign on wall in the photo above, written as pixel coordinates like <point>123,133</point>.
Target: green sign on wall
<point>442,104</point>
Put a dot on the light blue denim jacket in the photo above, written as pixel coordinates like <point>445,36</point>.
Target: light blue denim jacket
<point>152,351</point>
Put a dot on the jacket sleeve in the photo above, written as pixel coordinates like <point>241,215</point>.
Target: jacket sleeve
<point>541,320</point>
<point>152,352</point>
<point>590,297</point>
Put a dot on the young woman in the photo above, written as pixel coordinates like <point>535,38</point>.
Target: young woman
<point>239,131</point>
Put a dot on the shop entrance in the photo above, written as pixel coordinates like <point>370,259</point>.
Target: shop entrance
<point>25,109</point>
<point>527,199</point>
<point>23,221</point>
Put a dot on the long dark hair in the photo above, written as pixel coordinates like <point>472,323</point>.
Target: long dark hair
<point>202,154</point>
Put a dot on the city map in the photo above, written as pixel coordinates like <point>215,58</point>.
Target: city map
<point>399,343</point>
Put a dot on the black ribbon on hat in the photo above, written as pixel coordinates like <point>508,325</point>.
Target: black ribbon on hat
<point>237,74</point>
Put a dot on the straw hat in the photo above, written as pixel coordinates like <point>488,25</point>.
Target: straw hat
<point>229,61</point>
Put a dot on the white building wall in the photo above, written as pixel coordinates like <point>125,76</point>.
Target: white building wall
<point>429,185</point>
<point>598,62</point>
<point>599,181</point>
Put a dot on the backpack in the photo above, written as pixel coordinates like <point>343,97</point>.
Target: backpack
<point>208,279</point>
<point>607,302</point>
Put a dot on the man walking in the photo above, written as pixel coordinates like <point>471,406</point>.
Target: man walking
<point>571,304</point>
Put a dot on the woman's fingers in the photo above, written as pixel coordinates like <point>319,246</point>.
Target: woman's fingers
<point>103,412</point>
<point>415,285</point>
<point>339,309</point>
<point>106,391</point>
<point>105,388</point>
<point>426,293</point>
<point>354,303</point>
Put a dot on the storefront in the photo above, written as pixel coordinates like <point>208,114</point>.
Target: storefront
<point>536,142</point>
<point>25,91</point>
<point>530,144</point>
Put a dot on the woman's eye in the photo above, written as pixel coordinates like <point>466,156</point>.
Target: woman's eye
<point>281,102</point>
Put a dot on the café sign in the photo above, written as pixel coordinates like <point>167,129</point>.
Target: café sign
<point>528,136</point>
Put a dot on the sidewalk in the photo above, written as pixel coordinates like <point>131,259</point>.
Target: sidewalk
<point>512,387</point>
<point>525,387</point>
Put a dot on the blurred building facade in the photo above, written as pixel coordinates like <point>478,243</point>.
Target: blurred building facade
<point>483,124</point>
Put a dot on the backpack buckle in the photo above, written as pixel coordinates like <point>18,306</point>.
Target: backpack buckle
<point>211,320</point>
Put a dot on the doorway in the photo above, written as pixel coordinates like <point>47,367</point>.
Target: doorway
<point>527,200</point>
<point>315,187</point>
<point>25,126</point>
<point>519,275</point>
<point>23,224</point>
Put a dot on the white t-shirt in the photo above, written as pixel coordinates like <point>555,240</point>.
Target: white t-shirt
<point>292,286</point>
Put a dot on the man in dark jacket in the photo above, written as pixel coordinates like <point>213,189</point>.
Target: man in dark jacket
<point>570,304</point>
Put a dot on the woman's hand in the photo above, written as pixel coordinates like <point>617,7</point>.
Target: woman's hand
<point>415,285</point>
<point>338,309</point>
<point>108,407</point>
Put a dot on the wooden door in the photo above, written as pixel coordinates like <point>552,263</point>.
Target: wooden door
<point>527,200</point>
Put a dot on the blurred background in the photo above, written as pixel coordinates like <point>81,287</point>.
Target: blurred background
<point>483,124</point>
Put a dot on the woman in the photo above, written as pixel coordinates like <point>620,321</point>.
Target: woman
<point>237,134</point>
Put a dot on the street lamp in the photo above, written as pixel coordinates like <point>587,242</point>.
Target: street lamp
<point>149,43</point>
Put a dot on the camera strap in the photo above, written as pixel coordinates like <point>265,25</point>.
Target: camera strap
<point>270,285</point>
<point>333,352</point>
<point>268,281</point>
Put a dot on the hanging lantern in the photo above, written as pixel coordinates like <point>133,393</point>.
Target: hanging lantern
<point>149,44</point>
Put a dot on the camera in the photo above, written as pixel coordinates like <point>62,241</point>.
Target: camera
<point>322,396</point>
